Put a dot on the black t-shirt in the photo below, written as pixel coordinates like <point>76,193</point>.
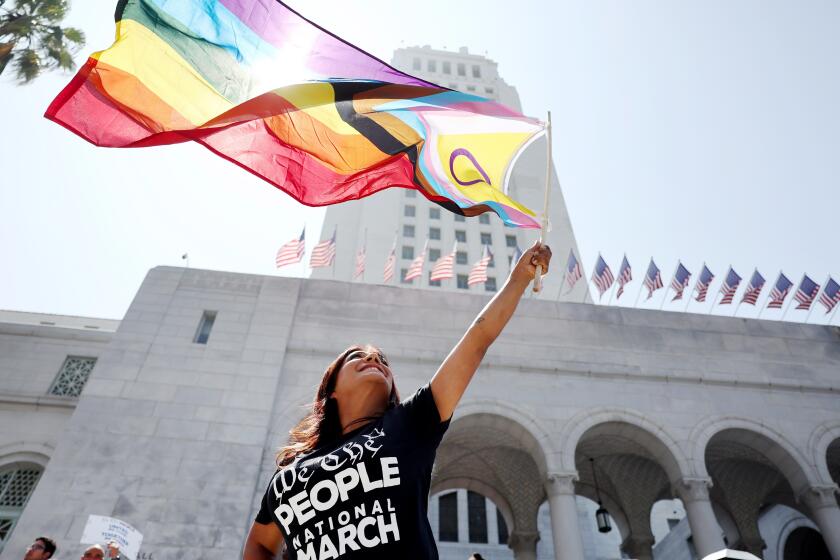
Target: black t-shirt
<point>365,496</point>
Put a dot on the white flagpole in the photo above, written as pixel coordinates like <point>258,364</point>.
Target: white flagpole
<point>816,297</point>
<point>737,307</point>
<point>538,275</point>
<point>691,295</point>
<point>643,284</point>
<point>792,297</point>
<point>767,297</point>
<point>833,313</point>
<point>668,287</point>
<point>613,288</point>
<point>714,299</point>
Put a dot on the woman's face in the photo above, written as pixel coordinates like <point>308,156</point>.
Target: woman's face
<point>364,371</point>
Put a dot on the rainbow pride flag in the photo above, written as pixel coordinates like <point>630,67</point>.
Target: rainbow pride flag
<point>320,119</point>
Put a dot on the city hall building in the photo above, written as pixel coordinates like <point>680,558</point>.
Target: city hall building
<point>680,433</point>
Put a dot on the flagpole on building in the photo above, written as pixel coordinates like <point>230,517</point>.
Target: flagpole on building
<point>544,225</point>
<point>767,297</point>
<point>612,288</point>
<point>691,295</point>
<point>833,313</point>
<point>792,298</point>
<point>668,287</point>
<point>737,307</point>
<point>638,295</point>
<point>714,299</point>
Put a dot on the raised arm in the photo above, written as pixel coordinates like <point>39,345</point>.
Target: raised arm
<point>453,376</point>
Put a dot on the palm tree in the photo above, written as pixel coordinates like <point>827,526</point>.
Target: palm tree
<point>32,39</point>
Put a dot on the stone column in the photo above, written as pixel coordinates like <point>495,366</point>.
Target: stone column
<point>707,534</point>
<point>822,502</point>
<point>524,545</point>
<point>638,547</point>
<point>568,544</point>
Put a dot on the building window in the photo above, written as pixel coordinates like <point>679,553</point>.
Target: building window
<point>477,517</point>
<point>434,254</point>
<point>492,262</point>
<point>434,213</point>
<point>403,272</point>
<point>510,240</point>
<point>431,65</point>
<point>490,284</point>
<point>416,64</point>
<point>461,257</point>
<point>447,67</point>
<point>484,218</point>
<point>502,527</point>
<point>204,327</point>
<point>16,486</point>
<point>476,71</point>
<point>72,376</point>
<point>409,211</point>
<point>434,233</point>
<point>453,86</point>
<point>460,236</point>
<point>410,193</point>
<point>448,518</point>
<point>488,90</point>
<point>471,88</point>
<point>486,239</point>
<point>460,218</point>
<point>408,230</point>
<point>407,252</point>
<point>462,282</point>
<point>462,69</point>
<point>434,283</point>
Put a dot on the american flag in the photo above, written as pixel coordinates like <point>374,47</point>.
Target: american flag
<point>478,274</point>
<point>416,268</point>
<point>830,295</point>
<point>729,287</point>
<point>806,293</point>
<point>680,281</point>
<point>323,254</point>
<point>360,263</point>
<point>573,270</point>
<point>443,267</point>
<point>291,252</point>
<point>779,292</point>
<point>602,276</point>
<point>703,283</point>
<point>653,279</point>
<point>753,288</point>
<point>625,275</point>
<point>517,254</point>
<point>390,264</point>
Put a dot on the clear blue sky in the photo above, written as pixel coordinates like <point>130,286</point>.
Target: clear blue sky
<point>683,130</point>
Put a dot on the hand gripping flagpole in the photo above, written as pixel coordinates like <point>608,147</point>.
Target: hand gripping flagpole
<point>538,275</point>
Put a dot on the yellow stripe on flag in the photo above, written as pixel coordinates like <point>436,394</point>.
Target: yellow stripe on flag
<point>141,53</point>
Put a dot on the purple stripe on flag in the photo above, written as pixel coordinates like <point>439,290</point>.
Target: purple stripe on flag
<point>278,24</point>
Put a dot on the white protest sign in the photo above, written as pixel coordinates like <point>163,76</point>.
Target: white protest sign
<point>100,529</point>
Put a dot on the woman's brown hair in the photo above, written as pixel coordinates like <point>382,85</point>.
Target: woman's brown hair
<point>322,425</point>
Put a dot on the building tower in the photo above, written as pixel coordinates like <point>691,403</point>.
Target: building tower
<point>406,220</point>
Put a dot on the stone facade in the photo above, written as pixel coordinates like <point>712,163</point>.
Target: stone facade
<point>177,438</point>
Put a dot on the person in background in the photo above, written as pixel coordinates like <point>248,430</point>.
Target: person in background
<point>41,549</point>
<point>114,550</point>
<point>94,552</point>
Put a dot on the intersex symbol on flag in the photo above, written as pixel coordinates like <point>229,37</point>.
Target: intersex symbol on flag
<point>315,116</point>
